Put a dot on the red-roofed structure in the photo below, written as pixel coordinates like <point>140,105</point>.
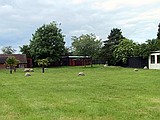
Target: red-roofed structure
<point>21,57</point>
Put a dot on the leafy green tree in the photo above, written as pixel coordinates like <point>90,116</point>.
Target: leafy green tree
<point>158,34</point>
<point>114,38</point>
<point>87,45</point>
<point>8,50</point>
<point>11,62</point>
<point>68,51</point>
<point>47,42</point>
<point>144,49</point>
<point>43,63</point>
<point>124,50</point>
<point>150,45</point>
<point>25,49</point>
<point>15,65</point>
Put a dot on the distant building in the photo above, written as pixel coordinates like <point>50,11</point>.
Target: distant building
<point>137,62</point>
<point>154,60</point>
<point>76,60</point>
<point>21,57</point>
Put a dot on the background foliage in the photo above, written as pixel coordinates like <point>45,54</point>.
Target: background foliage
<point>47,42</point>
<point>86,45</point>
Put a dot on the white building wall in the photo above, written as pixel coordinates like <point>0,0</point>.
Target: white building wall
<point>154,65</point>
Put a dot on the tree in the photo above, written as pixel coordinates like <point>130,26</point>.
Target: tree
<point>113,39</point>
<point>144,49</point>
<point>68,51</point>
<point>8,50</point>
<point>25,49</point>
<point>43,63</point>
<point>15,64</point>
<point>47,42</point>
<point>124,50</point>
<point>150,45</point>
<point>158,34</point>
<point>86,45</point>
<point>11,62</point>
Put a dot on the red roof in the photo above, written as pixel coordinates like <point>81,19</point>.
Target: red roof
<point>21,57</point>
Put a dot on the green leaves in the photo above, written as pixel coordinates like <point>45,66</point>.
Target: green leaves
<point>8,50</point>
<point>158,33</point>
<point>127,48</point>
<point>11,61</point>
<point>25,49</point>
<point>114,38</point>
<point>87,45</point>
<point>47,42</point>
<point>124,50</point>
<point>43,62</point>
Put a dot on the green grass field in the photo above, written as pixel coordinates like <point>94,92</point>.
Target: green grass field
<point>111,93</point>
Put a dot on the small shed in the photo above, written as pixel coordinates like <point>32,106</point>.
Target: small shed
<point>154,60</point>
<point>136,62</point>
<point>76,60</point>
<point>21,57</point>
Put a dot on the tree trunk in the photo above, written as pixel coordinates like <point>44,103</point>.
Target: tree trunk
<point>42,69</point>
<point>85,61</point>
<point>10,69</point>
<point>91,62</point>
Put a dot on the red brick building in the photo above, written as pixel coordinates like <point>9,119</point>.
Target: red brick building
<point>21,57</point>
<point>76,60</point>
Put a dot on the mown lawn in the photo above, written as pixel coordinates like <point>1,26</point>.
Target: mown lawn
<point>111,93</point>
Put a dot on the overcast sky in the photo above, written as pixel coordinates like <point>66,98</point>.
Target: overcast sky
<point>138,19</point>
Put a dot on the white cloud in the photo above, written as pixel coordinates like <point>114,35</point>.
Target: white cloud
<point>111,5</point>
<point>77,2</point>
<point>136,3</point>
<point>20,18</point>
<point>6,8</point>
<point>6,30</point>
<point>141,17</point>
<point>106,6</point>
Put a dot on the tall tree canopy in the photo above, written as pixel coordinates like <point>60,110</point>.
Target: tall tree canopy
<point>113,39</point>
<point>148,46</point>
<point>158,34</point>
<point>87,45</point>
<point>25,49</point>
<point>47,42</point>
<point>127,48</point>
<point>124,50</point>
<point>8,50</point>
